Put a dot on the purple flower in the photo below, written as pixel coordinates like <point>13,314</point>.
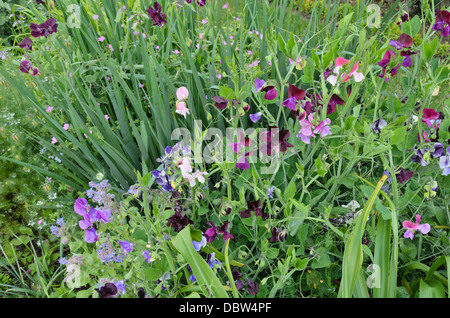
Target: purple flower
<point>81,206</point>
<point>178,221</point>
<point>147,256</point>
<point>294,94</point>
<point>252,287</point>
<point>214,231</point>
<point>26,44</point>
<point>404,41</point>
<point>403,175</point>
<point>255,117</point>
<point>377,125</point>
<point>270,194</point>
<point>126,246</point>
<point>444,163</point>
<point>442,22</point>
<point>220,102</point>
<point>277,234</point>
<point>412,227</point>
<point>201,3</point>
<point>91,235</point>
<point>386,58</point>
<point>44,29</point>
<point>259,83</point>
<point>25,67</point>
<point>156,15</point>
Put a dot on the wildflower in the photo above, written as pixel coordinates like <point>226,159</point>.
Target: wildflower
<point>422,156</point>
<point>404,41</point>
<point>444,163</point>
<point>182,93</point>
<point>120,287</point>
<point>126,246</point>
<point>403,175</point>
<point>306,132</point>
<point>412,227</point>
<point>442,22</point>
<point>201,3</point>
<point>44,29</point>
<point>270,92</point>
<point>257,85</point>
<point>109,290</point>
<point>377,125</point>
<point>340,61</point>
<point>54,140</point>
<point>178,221</point>
<point>214,231</point>
<point>252,287</point>
<point>204,21</point>
<point>212,261</point>
<point>25,67</point>
<point>91,235</point>
<point>220,102</point>
<point>277,234</point>
<point>323,128</point>
<point>198,245</point>
<point>429,116</point>
<point>270,193</point>
<point>255,207</point>
<point>255,117</point>
<point>26,44</point>
<point>225,6</point>
<point>156,15</point>
<point>147,256</point>
<point>384,63</point>
<point>81,206</point>
<point>182,109</point>
<point>66,126</point>
<point>95,17</point>
<point>294,95</point>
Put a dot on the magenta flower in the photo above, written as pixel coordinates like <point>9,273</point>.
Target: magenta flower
<point>412,227</point>
<point>403,175</point>
<point>201,3</point>
<point>26,67</point>
<point>81,206</point>
<point>156,15</point>
<point>294,94</point>
<point>323,128</point>
<point>214,231</point>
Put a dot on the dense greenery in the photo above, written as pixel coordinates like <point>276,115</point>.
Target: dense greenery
<point>101,197</point>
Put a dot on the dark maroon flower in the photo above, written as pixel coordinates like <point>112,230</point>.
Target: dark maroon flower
<point>405,17</point>
<point>107,291</point>
<point>403,175</point>
<point>141,292</point>
<point>220,102</point>
<point>26,44</point>
<point>269,141</point>
<point>214,231</point>
<point>255,207</point>
<point>386,58</point>
<point>39,1</point>
<point>252,287</point>
<point>201,3</point>
<point>178,221</point>
<point>277,234</point>
<point>156,15</point>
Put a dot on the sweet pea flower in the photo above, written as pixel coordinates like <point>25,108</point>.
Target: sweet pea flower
<point>26,44</point>
<point>91,235</point>
<point>404,41</point>
<point>444,163</point>
<point>340,61</point>
<point>182,93</point>
<point>66,126</point>
<point>80,207</point>
<point>255,117</point>
<point>214,231</point>
<point>182,109</point>
<point>412,227</point>
<point>25,67</point>
<point>323,128</point>
<point>126,246</point>
<point>220,102</point>
<point>156,15</point>
<point>442,22</point>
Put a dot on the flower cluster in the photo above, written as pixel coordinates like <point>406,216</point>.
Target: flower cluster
<point>60,230</point>
<point>44,29</point>
<point>90,216</point>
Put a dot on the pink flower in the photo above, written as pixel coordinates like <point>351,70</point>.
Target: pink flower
<point>111,47</point>
<point>101,39</point>
<point>182,109</point>
<point>107,117</point>
<point>66,126</point>
<point>54,140</point>
<point>182,93</point>
<point>225,6</point>
<point>204,21</point>
<point>340,61</point>
<point>412,227</point>
<point>95,17</point>
<point>49,109</point>
<point>322,128</point>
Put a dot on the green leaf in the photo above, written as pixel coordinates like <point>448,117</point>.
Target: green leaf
<point>290,191</point>
<point>431,289</point>
<point>203,273</point>
<point>152,274</point>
